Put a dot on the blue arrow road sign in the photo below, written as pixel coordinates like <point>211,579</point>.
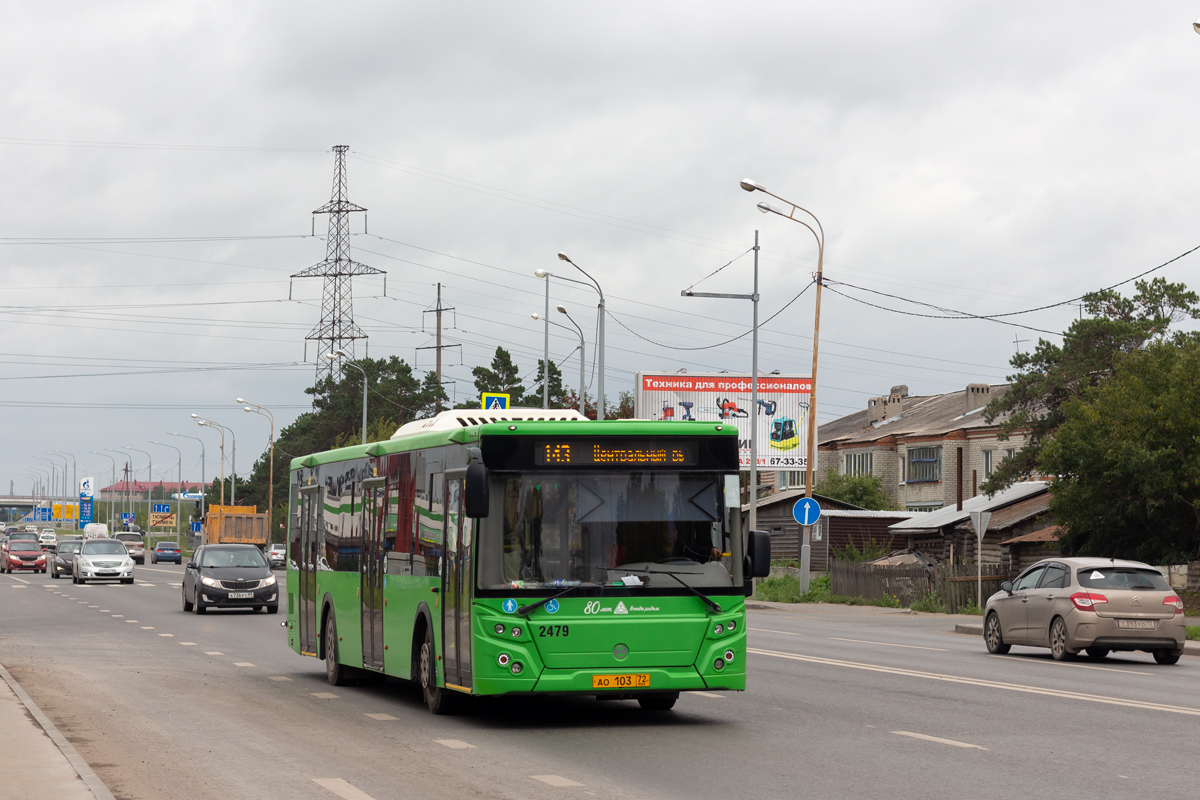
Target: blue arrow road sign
<point>162,508</point>
<point>806,511</point>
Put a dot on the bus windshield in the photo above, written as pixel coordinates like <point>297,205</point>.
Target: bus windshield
<point>595,529</point>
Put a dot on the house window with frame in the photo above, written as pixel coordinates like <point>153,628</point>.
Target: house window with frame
<point>924,464</point>
<point>988,464</point>
<point>859,463</point>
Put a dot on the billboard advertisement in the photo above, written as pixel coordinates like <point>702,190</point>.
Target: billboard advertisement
<point>86,497</point>
<point>782,410</point>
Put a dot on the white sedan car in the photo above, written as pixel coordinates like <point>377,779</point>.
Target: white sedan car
<point>102,559</point>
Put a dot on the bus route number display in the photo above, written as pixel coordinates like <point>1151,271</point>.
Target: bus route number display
<point>593,453</point>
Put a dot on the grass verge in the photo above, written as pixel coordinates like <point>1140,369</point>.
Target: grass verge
<point>786,589</point>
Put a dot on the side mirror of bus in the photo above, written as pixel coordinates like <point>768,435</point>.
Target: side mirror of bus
<point>758,550</point>
<point>477,501</point>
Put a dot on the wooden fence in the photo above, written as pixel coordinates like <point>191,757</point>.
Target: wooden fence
<point>954,585</point>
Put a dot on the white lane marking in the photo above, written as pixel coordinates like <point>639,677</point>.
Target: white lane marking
<point>105,610</point>
<point>342,789</point>
<point>322,695</point>
<point>555,780</point>
<point>273,678</point>
<point>118,615</point>
<point>243,664</point>
<point>167,634</point>
<point>768,630</point>
<point>174,584</point>
<point>81,602</point>
<point>708,694</point>
<point>151,585</point>
<point>1012,687</point>
<point>131,620</point>
<point>939,740</point>
<point>93,606</point>
<point>18,586</point>
<point>375,716</point>
<point>213,653</point>
<point>456,744</point>
<point>187,644</point>
<point>147,627</point>
<point>152,569</point>
<point>889,644</point>
<point>1068,664</point>
<point>15,578</point>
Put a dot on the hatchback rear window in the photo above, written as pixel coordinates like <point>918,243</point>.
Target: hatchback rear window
<point>1132,578</point>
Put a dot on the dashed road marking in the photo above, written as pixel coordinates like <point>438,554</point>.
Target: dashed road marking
<point>768,630</point>
<point>938,739</point>
<point>321,695</point>
<point>381,716</point>
<point>709,694</point>
<point>555,780</point>
<point>282,678</point>
<point>459,744</point>
<point>342,789</point>
<point>188,644</point>
<point>81,602</point>
<point>93,606</point>
<point>1067,664</point>
<point>18,586</point>
<point>151,585</point>
<point>174,584</point>
<point>131,620</point>
<point>105,610</point>
<point>118,615</point>
<point>242,664</point>
<point>152,569</point>
<point>147,627</point>
<point>15,578</point>
<point>889,644</point>
<point>213,653</point>
<point>167,634</point>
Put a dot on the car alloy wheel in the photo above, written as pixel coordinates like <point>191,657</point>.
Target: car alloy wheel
<point>1058,640</point>
<point>994,636</point>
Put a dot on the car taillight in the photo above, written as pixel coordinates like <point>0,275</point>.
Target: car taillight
<point>1086,601</point>
<point>1173,600</point>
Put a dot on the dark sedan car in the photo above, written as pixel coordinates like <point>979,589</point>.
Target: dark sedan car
<point>229,576</point>
<point>62,560</point>
<point>166,551</point>
<point>24,554</point>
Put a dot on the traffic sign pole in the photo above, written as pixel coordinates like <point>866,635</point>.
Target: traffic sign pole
<point>807,512</point>
<point>979,520</point>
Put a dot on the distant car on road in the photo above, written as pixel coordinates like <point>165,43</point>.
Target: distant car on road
<point>30,529</point>
<point>1093,604</point>
<point>276,555</point>
<point>102,559</point>
<point>62,560</point>
<point>24,554</point>
<point>229,576</point>
<point>166,551</point>
<point>48,540</point>
<point>95,530</point>
<point>134,544</point>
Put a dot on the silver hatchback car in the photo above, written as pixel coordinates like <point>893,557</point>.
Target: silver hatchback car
<point>1093,604</point>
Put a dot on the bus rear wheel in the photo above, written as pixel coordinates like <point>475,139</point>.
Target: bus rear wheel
<point>336,673</point>
<point>439,700</point>
<point>658,702</point>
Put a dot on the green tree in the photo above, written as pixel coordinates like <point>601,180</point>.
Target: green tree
<point>1093,347</point>
<point>864,491</point>
<point>1127,460</point>
<point>558,399</point>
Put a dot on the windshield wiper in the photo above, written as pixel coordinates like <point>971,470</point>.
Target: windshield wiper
<point>715,606</point>
<point>525,611</point>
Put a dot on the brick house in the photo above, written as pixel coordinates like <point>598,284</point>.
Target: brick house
<point>930,451</point>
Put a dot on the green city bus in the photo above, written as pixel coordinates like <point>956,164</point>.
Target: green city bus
<point>526,551</point>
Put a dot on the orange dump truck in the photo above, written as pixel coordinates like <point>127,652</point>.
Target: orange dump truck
<point>235,525</point>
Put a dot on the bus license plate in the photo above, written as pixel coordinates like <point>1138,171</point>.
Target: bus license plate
<point>620,681</point>
<point>240,595</point>
<point>1137,624</point>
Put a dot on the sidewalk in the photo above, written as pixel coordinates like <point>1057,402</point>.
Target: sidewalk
<point>47,762</point>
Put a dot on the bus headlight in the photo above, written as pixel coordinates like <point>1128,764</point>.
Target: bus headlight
<point>729,626</point>
<point>516,631</point>
<point>718,629</point>
<point>499,629</point>
<point>516,668</point>
<point>719,665</point>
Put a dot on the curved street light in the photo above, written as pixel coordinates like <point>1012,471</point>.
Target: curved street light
<point>251,408</point>
<point>75,487</point>
<point>178,485</point>
<point>599,335</point>
<point>208,423</point>
<point>203,461</point>
<point>582,371</point>
<point>149,484</point>
<point>348,360</point>
<point>114,480</point>
<point>819,234</point>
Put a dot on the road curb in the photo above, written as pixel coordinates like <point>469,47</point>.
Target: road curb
<point>1190,648</point>
<point>89,778</point>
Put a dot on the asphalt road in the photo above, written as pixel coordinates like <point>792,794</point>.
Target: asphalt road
<point>846,703</point>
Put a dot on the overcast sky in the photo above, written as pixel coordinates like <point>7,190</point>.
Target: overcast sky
<point>982,158</point>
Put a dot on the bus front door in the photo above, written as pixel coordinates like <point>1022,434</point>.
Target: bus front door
<point>456,588</point>
<point>306,566</point>
<point>372,572</point>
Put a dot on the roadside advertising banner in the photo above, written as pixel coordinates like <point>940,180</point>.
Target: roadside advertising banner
<point>86,496</point>
<point>782,410</point>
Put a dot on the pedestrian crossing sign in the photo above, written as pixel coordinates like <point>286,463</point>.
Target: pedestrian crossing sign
<point>494,401</point>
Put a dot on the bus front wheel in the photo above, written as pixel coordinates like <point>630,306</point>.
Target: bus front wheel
<point>439,700</point>
<point>336,672</point>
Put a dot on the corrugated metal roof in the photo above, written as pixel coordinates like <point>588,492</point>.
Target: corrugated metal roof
<point>1049,534</point>
<point>923,416</point>
<point>1018,512</point>
<point>950,515</point>
<point>871,513</point>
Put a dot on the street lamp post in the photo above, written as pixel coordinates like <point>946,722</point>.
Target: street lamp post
<point>114,480</point>
<point>599,335</point>
<point>582,372</point>
<point>150,483</point>
<point>810,459</point>
<point>208,423</point>
<point>346,356</point>
<point>129,473</point>
<point>541,273</point>
<point>59,487</point>
<point>753,298</point>
<point>251,408</point>
<point>74,488</point>
<point>203,485</point>
<point>178,485</point>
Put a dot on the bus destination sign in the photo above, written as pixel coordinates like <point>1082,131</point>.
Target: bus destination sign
<point>594,453</point>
